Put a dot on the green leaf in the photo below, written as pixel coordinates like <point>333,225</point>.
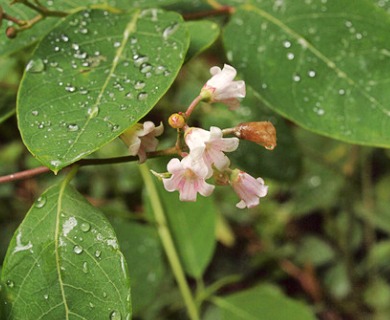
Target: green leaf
<point>193,226</point>
<point>64,262</point>
<point>202,34</point>
<point>318,64</point>
<point>263,302</point>
<point>95,75</point>
<point>142,249</point>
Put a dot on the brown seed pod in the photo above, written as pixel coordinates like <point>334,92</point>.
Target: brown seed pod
<point>261,132</point>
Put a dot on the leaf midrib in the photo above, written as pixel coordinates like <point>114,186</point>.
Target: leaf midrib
<point>130,28</point>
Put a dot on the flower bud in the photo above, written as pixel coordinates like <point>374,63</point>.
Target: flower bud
<point>261,132</point>
<point>11,32</point>
<point>177,121</point>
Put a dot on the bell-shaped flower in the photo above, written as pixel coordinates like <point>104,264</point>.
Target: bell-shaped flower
<point>249,189</point>
<point>210,147</point>
<point>221,87</point>
<point>141,138</point>
<point>188,178</point>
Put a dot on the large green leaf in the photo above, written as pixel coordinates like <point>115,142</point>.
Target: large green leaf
<point>95,75</point>
<point>64,263</point>
<point>263,302</point>
<point>35,33</point>
<point>323,65</point>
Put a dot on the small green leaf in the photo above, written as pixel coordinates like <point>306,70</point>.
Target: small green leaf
<point>93,76</point>
<point>202,34</point>
<point>264,302</point>
<point>322,65</point>
<point>64,262</point>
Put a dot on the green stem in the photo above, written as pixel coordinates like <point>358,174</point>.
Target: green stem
<point>167,242</point>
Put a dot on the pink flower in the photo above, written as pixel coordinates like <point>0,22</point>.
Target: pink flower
<point>221,87</point>
<point>142,138</point>
<point>249,189</point>
<point>210,147</point>
<point>187,179</point>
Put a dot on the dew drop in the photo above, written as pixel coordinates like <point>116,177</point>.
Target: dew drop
<point>46,296</point>
<point>139,60</point>
<point>85,267</point>
<point>286,44</point>
<point>75,46</point>
<point>70,88</point>
<point>139,85</point>
<point>64,38</point>
<point>98,253</point>
<point>10,284</point>
<point>290,56</point>
<point>56,163</point>
<point>40,202</point>
<point>35,66</point>
<point>115,315</point>
<point>85,227</point>
<point>142,96</point>
<point>73,127</point>
<point>115,128</point>
<point>77,249</point>
<point>129,95</point>
<point>34,113</point>
<point>93,112</point>
<point>341,92</point>
<point>296,78</point>
<point>117,44</point>
<point>311,73</point>
<point>168,31</point>
<point>145,68</point>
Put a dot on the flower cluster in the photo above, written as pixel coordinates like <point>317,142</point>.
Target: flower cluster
<point>203,152</point>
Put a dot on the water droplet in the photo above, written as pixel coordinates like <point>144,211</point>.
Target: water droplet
<point>34,113</point>
<point>115,128</point>
<point>73,127</point>
<point>85,227</point>
<point>40,202</point>
<point>93,112</point>
<point>142,96</point>
<point>129,95</point>
<point>98,253</point>
<point>286,44</point>
<point>145,67</point>
<point>75,46</point>
<point>296,78</point>
<point>10,284</point>
<point>168,31</point>
<point>341,92</point>
<point>64,38</point>
<point>139,60</point>
<point>311,73</point>
<point>77,249</point>
<point>70,88</point>
<point>117,44</point>
<point>139,85</point>
<point>290,56</point>
<point>35,66</point>
<point>46,296</point>
<point>80,55</point>
<point>56,163</point>
<point>83,91</point>
<point>115,315</point>
<point>85,267</point>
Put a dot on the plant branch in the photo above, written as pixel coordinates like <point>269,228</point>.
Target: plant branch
<point>168,244</point>
<point>82,163</point>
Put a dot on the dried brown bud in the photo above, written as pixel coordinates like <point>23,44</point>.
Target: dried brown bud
<point>262,132</point>
<point>11,32</point>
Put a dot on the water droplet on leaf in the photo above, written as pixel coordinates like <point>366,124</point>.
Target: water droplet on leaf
<point>40,202</point>
<point>35,66</point>
<point>85,227</point>
<point>73,127</point>
<point>77,249</point>
<point>115,315</point>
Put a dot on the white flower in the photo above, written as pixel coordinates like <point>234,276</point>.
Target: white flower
<point>210,147</point>
<point>141,138</point>
<point>221,87</point>
<point>187,179</point>
<point>249,189</point>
